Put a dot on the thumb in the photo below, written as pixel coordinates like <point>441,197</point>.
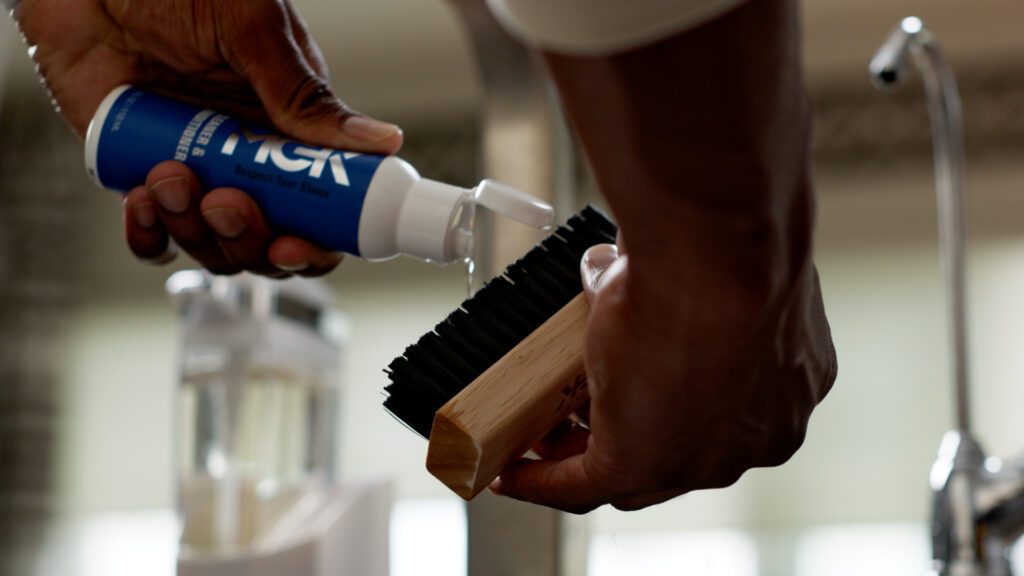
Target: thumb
<point>561,484</point>
<point>595,263</point>
<point>298,100</point>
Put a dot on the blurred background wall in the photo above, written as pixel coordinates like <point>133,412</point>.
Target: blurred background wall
<point>90,430</point>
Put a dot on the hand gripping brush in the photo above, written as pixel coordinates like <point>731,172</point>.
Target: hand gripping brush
<point>506,367</point>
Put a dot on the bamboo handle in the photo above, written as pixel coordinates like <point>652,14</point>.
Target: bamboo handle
<point>512,405</point>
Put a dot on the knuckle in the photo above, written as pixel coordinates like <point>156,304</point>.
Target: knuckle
<point>731,477</point>
<point>629,506</point>
<point>723,465</point>
<point>310,98</point>
<point>251,15</point>
<point>242,259</point>
<point>785,442</point>
<point>721,470</point>
<point>214,260</point>
<point>192,239</point>
<point>580,510</point>
<point>268,10</point>
<point>166,170</point>
<point>725,476</point>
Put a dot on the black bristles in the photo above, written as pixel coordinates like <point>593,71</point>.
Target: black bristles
<point>488,325</point>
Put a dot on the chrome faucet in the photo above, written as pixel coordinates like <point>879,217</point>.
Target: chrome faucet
<point>977,501</point>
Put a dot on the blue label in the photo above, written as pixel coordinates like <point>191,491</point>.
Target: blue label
<point>308,191</point>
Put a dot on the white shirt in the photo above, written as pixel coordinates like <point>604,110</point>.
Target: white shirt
<point>599,27</point>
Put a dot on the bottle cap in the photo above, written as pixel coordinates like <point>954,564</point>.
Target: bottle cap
<point>431,212</point>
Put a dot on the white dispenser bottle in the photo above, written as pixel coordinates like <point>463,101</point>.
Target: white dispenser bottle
<point>367,205</point>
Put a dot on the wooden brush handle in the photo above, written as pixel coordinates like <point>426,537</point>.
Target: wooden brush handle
<point>512,405</point>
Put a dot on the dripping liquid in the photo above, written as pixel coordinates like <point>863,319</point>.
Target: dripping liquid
<point>470,269</point>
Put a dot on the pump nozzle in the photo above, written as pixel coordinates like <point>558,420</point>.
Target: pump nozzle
<point>514,204</point>
<point>437,219</point>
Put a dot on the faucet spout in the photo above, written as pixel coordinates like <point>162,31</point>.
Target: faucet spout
<point>946,115</point>
<point>978,504</point>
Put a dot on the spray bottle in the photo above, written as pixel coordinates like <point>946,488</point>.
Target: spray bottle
<point>368,205</point>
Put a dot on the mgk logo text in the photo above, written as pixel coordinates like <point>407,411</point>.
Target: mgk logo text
<point>302,158</point>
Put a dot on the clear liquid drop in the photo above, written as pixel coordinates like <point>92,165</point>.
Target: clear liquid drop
<point>470,269</point>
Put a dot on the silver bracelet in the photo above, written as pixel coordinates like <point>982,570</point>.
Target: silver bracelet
<point>10,5</point>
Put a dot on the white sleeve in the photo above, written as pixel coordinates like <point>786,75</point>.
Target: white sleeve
<point>596,27</point>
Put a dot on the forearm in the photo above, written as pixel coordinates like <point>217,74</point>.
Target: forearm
<point>700,145</point>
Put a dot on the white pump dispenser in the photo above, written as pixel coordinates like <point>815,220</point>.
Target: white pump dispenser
<point>406,214</point>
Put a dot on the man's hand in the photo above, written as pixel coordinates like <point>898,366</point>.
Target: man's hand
<point>707,347</point>
<point>678,405</point>
<point>251,58</point>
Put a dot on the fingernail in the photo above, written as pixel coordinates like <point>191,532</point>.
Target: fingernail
<point>596,261</point>
<point>172,194</point>
<point>144,214</point>
<point>293,267</point>
<point>170,254</point>
<point>226,222</point>
<point>495,486</point>
<point>368,129</point>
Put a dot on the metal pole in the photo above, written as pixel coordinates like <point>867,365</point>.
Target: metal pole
<point>525,144</point>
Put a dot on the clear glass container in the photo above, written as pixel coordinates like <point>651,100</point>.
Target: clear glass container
<point>257,406</point>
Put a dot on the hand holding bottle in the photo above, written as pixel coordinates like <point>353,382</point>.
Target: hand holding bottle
<point>251,58</point>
